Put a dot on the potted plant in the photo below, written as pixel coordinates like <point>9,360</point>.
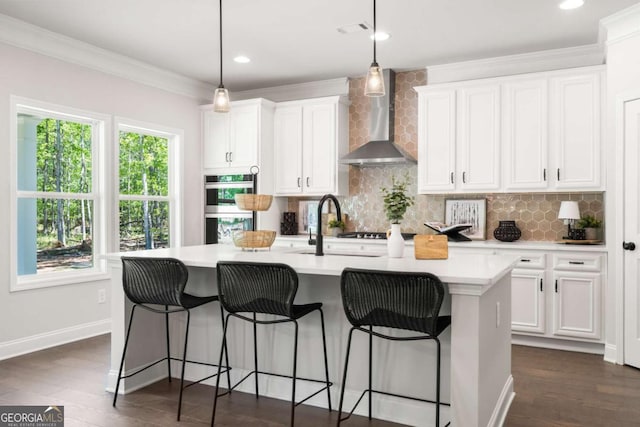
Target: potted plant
<point>335,227</point>
<point>591,226</point>
<point>396,202</point>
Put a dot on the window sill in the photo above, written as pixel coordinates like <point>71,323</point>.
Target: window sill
<point>57,279</point>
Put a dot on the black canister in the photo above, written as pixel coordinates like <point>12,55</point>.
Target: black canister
<point>507,231</point>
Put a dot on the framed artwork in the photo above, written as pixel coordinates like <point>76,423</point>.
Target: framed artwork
<point>468,211</point>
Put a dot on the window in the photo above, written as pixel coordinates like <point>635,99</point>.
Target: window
<point>146,193</point>
<point>57,194</point>
<point>61,201</point>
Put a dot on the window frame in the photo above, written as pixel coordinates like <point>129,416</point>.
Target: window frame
<point>174,198</point>
<point>100,129</point>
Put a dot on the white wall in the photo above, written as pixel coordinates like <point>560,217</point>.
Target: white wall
<point>47,316</point>
<point>623,77</point>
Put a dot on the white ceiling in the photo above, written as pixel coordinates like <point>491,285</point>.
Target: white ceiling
<point>295,41</point>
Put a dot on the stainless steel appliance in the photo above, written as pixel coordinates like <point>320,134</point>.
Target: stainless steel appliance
<point>371,235</point>
<point>222,216</point>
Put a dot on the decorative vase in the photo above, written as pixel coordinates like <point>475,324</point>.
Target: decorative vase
<point>395,242</point>
<point>507,231</point>
<point>334,231</point>
<point>591,233</point>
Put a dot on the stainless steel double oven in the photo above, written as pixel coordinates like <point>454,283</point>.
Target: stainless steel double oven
<point>222,216</point>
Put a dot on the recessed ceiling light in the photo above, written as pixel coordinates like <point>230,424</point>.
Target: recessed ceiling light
<point>380,36</point>
<point>570,4</point>
<point>242,59</point>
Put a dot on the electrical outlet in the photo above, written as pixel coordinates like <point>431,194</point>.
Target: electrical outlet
<point>497,314</point>
<point>102,296</point>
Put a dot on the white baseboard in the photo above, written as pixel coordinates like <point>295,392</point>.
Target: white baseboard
<point>611,353</point>
<point>39,342</point>
<point>143,379</point>
<point>558,344</point>
<point>507,395</point>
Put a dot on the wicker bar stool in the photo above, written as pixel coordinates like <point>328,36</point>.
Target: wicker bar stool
<point>399,300</point>
<point>265,288</point>
<point>151,283</point>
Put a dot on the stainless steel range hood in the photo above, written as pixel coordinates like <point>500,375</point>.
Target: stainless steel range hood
<point>380,150</point>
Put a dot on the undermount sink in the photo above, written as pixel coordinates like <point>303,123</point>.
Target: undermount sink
<point>329,252</point>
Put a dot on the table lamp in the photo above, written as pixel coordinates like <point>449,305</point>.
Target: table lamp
<point>569,212</point>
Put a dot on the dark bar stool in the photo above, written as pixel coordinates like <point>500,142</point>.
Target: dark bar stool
<point>153,282</point>
<point>408,301</point>
<point>265,288</point>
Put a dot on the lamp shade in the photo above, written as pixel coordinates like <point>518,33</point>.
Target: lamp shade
<point>569,210</point>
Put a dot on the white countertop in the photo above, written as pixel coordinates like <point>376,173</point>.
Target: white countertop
<point>469,269</point>
<point>481,244</point>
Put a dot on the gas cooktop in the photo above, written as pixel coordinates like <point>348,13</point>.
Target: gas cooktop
<point>372,235</point>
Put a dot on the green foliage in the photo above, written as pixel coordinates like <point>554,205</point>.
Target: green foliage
<point>589,221</point>
<point>334,223</point>
<point>396,200</point>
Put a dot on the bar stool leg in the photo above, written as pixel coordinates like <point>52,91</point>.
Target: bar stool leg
<point>255,352</point>
<point>438,384</point>
<point>222,349</point>
<point>370,367</point>
<point>226,352</point>
<point>326,360</point>
<point>184,359</point>
<point>295,363</point>
<point>166,324</point>
<point>344,376</point>
<point>124,352</point>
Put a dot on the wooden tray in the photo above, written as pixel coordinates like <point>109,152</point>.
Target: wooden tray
<point>431,246</point>
<point>580,242</point>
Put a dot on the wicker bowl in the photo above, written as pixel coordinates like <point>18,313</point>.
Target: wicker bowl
<point>253,239</point>
<point>253,202</point>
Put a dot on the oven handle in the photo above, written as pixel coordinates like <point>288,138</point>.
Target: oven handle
<point>229,215</point>
<point>219,185</point>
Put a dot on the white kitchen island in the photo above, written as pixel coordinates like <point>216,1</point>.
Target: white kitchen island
<point>476,353</point>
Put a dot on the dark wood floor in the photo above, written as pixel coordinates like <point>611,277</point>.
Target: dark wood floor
<point>553,388</point>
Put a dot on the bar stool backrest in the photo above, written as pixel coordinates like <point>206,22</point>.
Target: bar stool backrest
<point>154,280</point>
<point>257,287</point>
<point>400,300</point>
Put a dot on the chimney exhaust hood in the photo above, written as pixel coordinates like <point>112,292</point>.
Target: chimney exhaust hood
<point>380,150</point>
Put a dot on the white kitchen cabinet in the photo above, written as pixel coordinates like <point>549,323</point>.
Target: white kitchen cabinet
<point>478,139</point>
<point>528,301</point>
<point>525,134</point>
<point>575,130</point>
<point>310,137</point>
<point>577,296</point>
<point>437,136</point>
<point>459,139</point>
<point>235,141</point>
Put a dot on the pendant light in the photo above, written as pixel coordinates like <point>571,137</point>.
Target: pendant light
<point>374,86</point>
<point>221,102</point>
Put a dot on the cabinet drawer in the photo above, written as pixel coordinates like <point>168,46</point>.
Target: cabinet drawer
<point>533,260</point>
<point>577,262</point>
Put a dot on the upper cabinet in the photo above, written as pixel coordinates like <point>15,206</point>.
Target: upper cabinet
<point>533,132</point>
<point>239,139</point>
<point>310,137</point>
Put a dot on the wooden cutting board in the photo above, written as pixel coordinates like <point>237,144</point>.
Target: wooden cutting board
<point>431,246</point>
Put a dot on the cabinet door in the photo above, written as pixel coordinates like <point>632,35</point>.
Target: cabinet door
<point>216,140</point>
<point>524,125</point>
<point>575,127</point>
<point>479,137</point>
<point>243,137</point>
<point>288,150</point>
<point>319,149</point>
<point>436,141</point>
<point>577,304</point>
<point>527,301</point>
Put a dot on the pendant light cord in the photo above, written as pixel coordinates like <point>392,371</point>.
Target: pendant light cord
<point>374,31</point>
<point>221,85</point>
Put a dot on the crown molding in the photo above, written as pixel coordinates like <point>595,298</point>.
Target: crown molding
<point>547,60</point>
<point>620,26</point>
<point>317,89</point>
<point>30,37</point>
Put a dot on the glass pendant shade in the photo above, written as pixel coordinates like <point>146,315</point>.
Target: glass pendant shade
<point>221,103</point>
<point>374,86</point>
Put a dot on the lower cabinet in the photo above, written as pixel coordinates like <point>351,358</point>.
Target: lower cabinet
<point>563,300</point>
